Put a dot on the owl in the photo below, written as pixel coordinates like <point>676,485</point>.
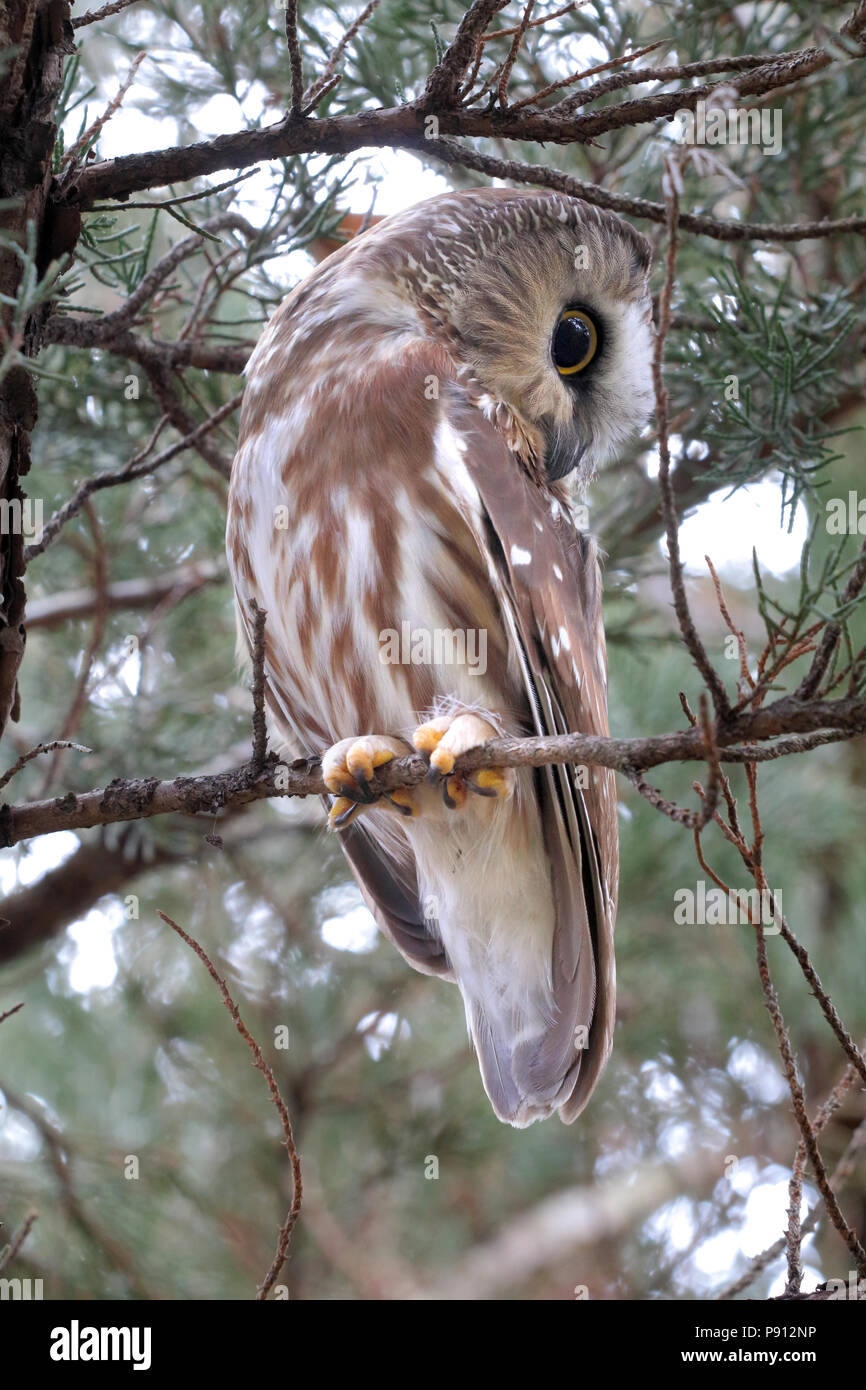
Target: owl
<point>417,416</point>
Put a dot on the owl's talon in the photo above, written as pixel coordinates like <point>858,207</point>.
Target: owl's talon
<point>364,793</point>
<point>492,781</point>
<point>360,794</point>
<point>343,811</point>
<point>442,760</point>
<point>480,791</point>
<point>454,792</point>
<point>427,736</point>
<point>363,757</point>
<point>347,769</point>
<point>444,739</point>
<point>401,800</point>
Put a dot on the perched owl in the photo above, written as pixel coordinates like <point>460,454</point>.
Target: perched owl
<point>398,507</point>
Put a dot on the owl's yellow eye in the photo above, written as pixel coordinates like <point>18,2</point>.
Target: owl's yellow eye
<point>575,342</point>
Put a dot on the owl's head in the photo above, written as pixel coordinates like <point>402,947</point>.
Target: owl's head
<point>545,300</point>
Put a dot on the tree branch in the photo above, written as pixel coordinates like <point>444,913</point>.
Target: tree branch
<point>139,798</point>
<point>444,82</point>
<point>689,632</point>
<point>124,594</point>
<point>40,911</point>
<point>67,330</point>
<point>403,127</point>
<point>138,467</point>
<point>259,1062</point>
<point>93,16</point>
<point>719,228</point>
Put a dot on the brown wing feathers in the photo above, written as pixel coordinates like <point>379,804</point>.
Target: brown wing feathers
<point>549,580</point>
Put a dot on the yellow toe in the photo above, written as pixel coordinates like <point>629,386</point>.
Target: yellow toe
<point>491,779</point>
<point>454,793</point>
<point>360,762</point>
<point>427,736</point>
<point>443,760</point>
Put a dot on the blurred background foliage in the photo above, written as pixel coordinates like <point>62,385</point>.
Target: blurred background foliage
<point>131,1119</point>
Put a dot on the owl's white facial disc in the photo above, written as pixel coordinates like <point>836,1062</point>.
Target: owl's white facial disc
<point>556,256</point>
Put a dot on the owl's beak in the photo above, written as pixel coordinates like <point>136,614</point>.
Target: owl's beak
<point>563,452</point>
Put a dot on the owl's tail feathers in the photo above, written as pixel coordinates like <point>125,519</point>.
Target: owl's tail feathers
<point>530,1068</point>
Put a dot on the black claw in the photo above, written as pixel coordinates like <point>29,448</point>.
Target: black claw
<point>362,796</point>
<point>364,784</point>
<point>343,818</point>
<point>404,810</point>
<point>434,776</point>
<point>447,797</point>
<point>479,791</point>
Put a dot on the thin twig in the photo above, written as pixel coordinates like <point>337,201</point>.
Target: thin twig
<point>259,1062</point>
<point>320,94</point>
<point>505,70</point>
<point>97,332</point>
<point>687,627</point>
<point>809,1140</point>
<point>37,752</point>
<point>59,1155</point>
<point>830,637</point>
<point>89,135</point>
<point>443,85</point>
<point>184,197</point>
<point>139,466</point>
<point>326,79</point>
<point>15,1244</point>
<point>81,695</point>
<point>743,62</point>
<point>838,1177</point>
<point>295,63</point>
<point>93,16</point>
<point>828,1008</point>
<point>260,728</point>
<point>720,228</point>
<point>534,24</point>
<point>578,76</point>
<point>795,1232</point>
<point>680,814</point>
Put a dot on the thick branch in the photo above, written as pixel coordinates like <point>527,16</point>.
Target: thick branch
<point>37,38</point>
<point>404,126</point>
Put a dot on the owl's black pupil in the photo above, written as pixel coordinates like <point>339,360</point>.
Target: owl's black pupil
<point>571,342</point>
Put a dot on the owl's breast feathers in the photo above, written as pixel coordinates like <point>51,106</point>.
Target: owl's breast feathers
<point>351,519</point>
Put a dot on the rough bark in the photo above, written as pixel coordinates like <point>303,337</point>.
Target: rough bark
<point>738,740</point>
<point>40,35</point>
